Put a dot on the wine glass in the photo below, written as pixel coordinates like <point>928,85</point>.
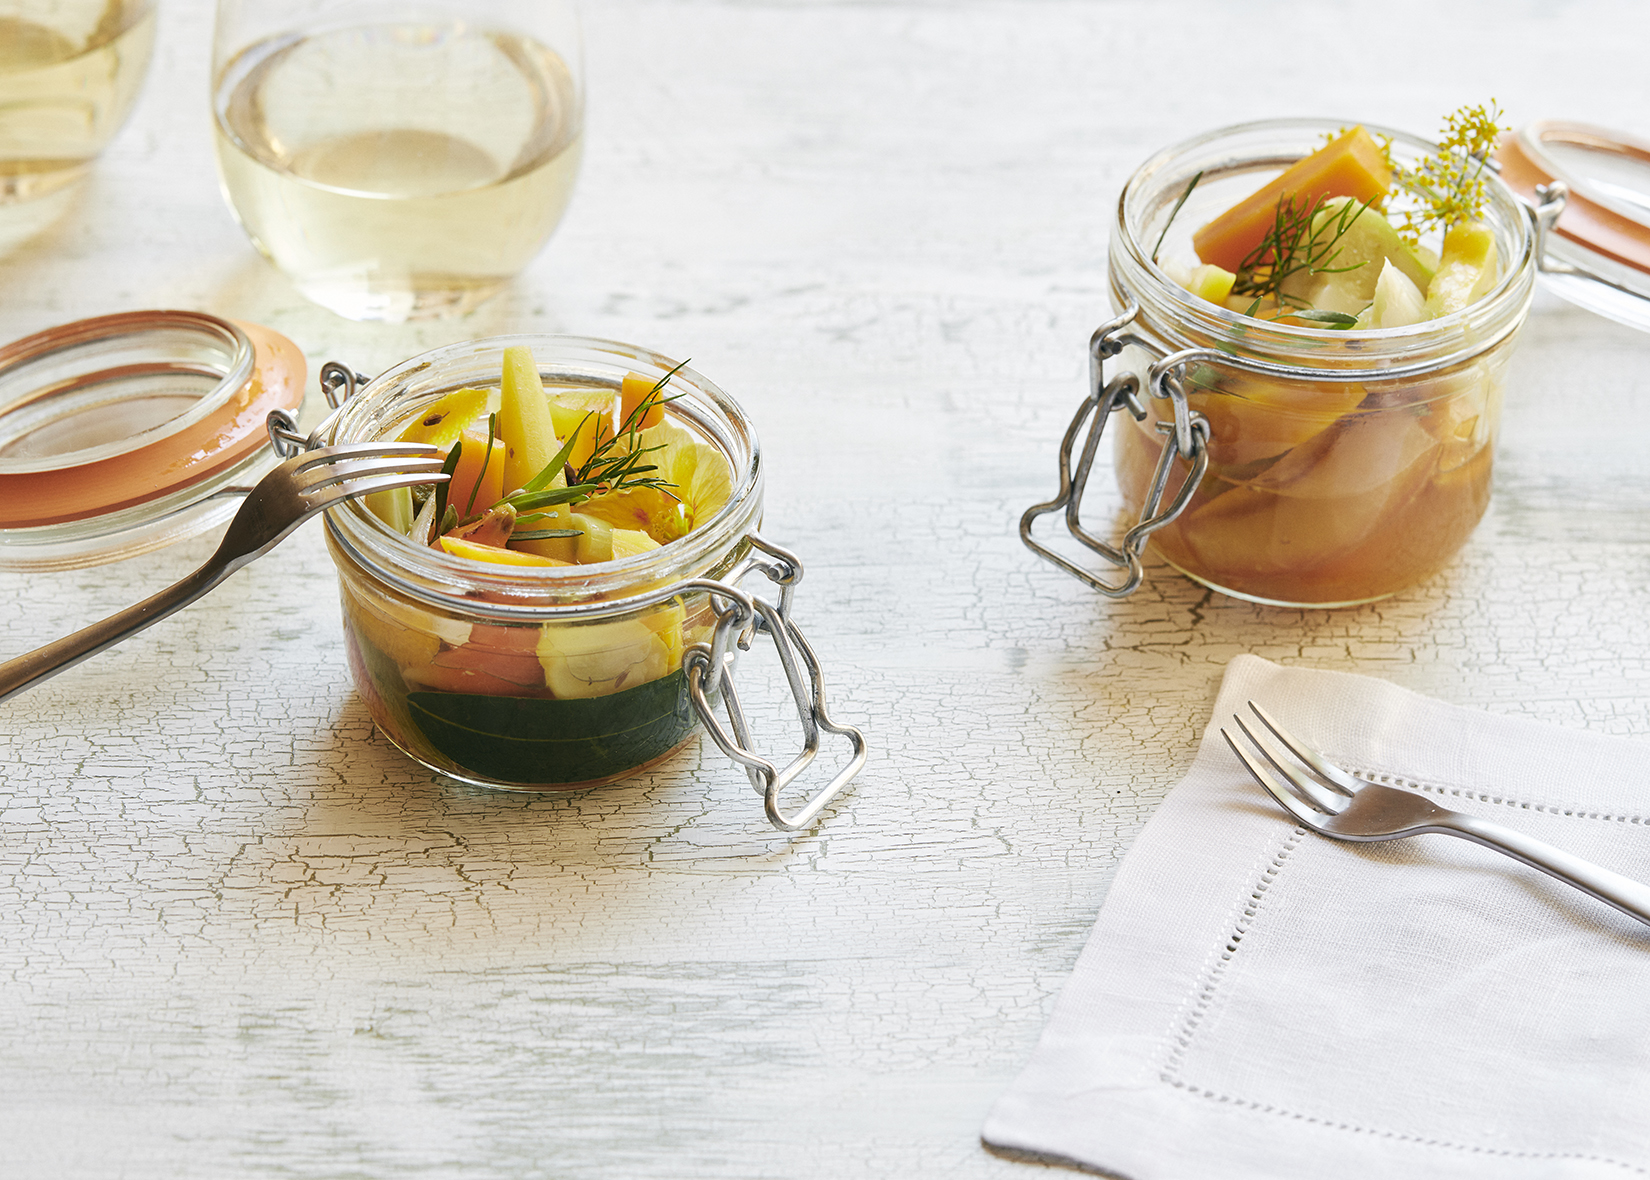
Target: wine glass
<point>398,160</point>
<point>70,71</point>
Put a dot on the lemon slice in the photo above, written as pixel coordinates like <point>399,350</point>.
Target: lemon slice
<point>701,479</point>
<point>459,547</point>
<point>443,422</point>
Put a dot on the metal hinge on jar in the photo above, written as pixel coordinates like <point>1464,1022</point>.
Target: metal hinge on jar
<point>338,385</point>
<point>709,669</point>
<point>1187,436</point>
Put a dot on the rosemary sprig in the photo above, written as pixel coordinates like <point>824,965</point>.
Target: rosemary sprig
<point>548,497</point>
<point>492,425</point>
<point>557,462</point>
<point>1450,187</point>
<point>1175,212</point>
<point>1298,240</point>
<point>441,489</point>
<point>1329,319</point>
<point>606,470</point>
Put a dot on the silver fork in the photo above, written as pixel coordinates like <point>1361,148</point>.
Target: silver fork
<point>1323,797</point>
<point>289,495</point>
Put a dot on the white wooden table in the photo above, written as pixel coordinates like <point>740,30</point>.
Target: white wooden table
<point>240,935</point>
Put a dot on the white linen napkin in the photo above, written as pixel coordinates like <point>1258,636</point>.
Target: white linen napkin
<point>1259,1001</point>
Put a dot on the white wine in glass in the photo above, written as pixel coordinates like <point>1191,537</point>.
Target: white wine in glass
<point>70,71</point>
<point>398,169</point>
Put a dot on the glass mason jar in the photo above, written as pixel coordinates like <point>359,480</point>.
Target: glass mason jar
<point>1314,467</point>
<point>564,678</point>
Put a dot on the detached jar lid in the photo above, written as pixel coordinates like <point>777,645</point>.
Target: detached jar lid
<point>124,433</point>
<point>1598,253</point>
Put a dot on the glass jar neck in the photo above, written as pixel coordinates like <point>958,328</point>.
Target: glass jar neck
<point>539,594</point>
<point>1179,319</point>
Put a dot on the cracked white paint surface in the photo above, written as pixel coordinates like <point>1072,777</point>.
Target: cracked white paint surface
<point>240,935</point>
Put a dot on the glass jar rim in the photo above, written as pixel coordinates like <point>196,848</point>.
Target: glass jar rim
<point>76,491</point>
<point>534,593</point>
<point>1471,330</point>
<point>99,333</point>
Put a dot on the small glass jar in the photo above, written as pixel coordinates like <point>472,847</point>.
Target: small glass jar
<point>1356,463</point>
<point>557,678</point>
<point>1342,466</point>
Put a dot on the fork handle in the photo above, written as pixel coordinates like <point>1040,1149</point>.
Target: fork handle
<point>1627,895</point>
<point>26,671</point>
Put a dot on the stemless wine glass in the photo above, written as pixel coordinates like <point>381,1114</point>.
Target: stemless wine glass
<point>398,160</point>
<point>69,73</point>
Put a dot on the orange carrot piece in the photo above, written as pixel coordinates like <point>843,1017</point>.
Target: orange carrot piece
<point>1351,166</point>
<point>632,394</point>
<point>463,482</point>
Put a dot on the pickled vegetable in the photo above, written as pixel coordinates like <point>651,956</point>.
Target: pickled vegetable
<point>1368,246</point>
<point>1350,166</point>
<point>1467,271</point>
<point>1337,491</point>
<point>524,420</point>
<point>1310,246</point>
<point>1304,502</point>
<point>546,480</point>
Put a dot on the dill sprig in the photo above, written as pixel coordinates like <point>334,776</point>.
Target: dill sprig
<point>1175,212</point>
<point>616,465</point>
<point>1450,187</point>
<point>1298,241</point>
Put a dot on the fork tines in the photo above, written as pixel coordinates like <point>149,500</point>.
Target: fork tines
<point>339,470</point>
<point>327,475</point>
<point>1311,788</point>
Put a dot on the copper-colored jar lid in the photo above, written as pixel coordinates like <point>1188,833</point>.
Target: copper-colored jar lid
<point>1604,228</point>
<point>125,432</point>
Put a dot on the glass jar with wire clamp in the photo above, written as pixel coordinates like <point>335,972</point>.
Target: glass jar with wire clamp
<point>567,631</point>
<point>1284,460</point>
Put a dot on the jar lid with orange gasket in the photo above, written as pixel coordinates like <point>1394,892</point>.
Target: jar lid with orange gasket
<point>124,433</point>
<point>1590,188</point>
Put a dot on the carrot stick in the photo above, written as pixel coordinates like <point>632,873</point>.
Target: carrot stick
<point>1351,166</point>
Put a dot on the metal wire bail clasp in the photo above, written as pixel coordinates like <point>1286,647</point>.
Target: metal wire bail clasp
<point>1187,437</point>
<point>338,385</point>
<point>709,668</point>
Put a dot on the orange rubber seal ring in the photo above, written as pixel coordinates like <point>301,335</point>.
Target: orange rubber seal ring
<point>170,461</point>
<point>1586,221</point>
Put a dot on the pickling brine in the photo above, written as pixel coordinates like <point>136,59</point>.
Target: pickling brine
<point>549,705</point>
<point>1328,493</point>
<point>1351,418</point>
